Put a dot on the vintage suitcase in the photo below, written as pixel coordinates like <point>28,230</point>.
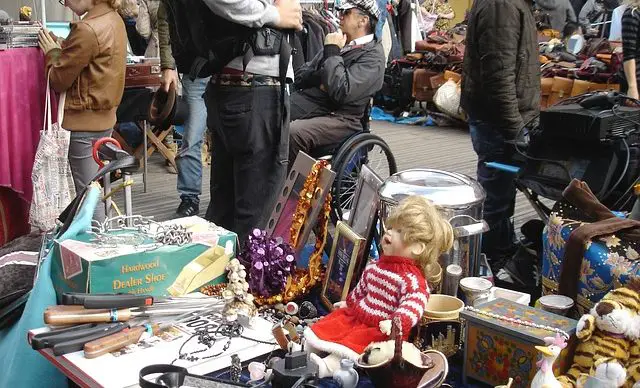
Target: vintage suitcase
<point>497,349</point>
<point>142,75</point>
<point>560,89</point>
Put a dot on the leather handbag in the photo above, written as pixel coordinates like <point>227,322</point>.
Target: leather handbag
<point>560,89</point>
<point>422,85</point>
<point>545,92</point>
<point>580,87</point>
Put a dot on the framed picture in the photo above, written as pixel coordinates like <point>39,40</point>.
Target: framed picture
<point>363,217</point>
<point>365,202</point>
<point>279,224</point>
<point>346,251</point>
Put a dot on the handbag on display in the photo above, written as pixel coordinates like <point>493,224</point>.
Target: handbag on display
<point>423,89</point>
<point>53,187</point>
<point>545,91</point>
<point>447,99</point>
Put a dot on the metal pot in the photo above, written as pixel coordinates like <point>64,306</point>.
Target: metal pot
<point>461,199</point>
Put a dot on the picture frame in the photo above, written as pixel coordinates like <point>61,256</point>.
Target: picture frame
<point>363,216</point>
<point>346,252</point>
<point>279,224</point>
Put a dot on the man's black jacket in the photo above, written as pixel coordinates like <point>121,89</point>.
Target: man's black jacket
<point>501,71</point>
<point>349,78</point>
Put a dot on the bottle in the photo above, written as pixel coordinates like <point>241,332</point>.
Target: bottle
<point>635,212</point>
<point>346,376</point>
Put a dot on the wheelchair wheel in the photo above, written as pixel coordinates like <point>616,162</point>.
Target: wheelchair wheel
<point>366,149</point>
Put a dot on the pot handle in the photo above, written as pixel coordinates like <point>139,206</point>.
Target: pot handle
<point>476,227</point>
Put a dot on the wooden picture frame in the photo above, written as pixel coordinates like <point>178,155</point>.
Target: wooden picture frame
<point>346,251</point>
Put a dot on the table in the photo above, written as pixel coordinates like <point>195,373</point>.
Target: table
<point>99,372</point>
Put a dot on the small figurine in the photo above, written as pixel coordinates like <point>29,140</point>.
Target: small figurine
<point>239,302</point>
<point>25,13</point>
<point>393,287</point>
<point>545,377</point>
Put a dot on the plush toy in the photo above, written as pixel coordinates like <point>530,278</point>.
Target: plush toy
<point>394,286</point>
<point>606,336</point>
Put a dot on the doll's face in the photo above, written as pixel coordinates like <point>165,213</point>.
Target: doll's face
<point>393,245</point>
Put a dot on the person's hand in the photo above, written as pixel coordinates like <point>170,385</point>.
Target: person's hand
<point>290,14</point>
<point>385,327</point>
<point>340,305</point>
<point>169,76</point>
<point>46,42</point>
<point>633,92</point>
<point>337,38</point>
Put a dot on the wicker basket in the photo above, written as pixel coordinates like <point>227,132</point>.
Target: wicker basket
<point>400,373</point>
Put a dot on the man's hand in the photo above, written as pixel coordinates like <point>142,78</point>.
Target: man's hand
<point>290,14</point>
<point>337,38</point>
<point>633,92</point>
<point>169,76</point>
<point>46,42</point>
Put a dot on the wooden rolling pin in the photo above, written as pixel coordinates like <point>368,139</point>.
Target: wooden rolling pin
<point>117,341</point>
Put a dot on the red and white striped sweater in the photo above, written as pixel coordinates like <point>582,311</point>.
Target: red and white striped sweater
<point>393,286</point>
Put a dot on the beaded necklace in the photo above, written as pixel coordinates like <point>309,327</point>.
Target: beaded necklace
<point>518,321</point>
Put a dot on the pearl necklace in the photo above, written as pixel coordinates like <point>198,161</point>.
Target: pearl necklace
<point>518,321</point>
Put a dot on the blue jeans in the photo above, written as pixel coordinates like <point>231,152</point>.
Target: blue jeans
<point>189,158</point>
<point>489,145</point>
<point>382,5</point>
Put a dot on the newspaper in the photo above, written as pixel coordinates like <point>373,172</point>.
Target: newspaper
<point>121,368</point>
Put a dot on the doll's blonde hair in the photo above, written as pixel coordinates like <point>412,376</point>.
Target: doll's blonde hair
<point>420,221</point>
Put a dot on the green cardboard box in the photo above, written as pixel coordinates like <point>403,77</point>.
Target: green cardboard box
<point>83,265</point>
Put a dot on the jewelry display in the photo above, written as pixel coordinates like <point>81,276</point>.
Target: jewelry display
<point>518,321</point>
<point>236,368</point>
<point>136,230</point>
<point>238,300</point>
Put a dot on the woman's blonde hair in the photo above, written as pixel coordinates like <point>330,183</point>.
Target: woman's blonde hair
<point>420,221</point>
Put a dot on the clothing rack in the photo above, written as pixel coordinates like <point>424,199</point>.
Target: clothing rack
<point>328,5</point>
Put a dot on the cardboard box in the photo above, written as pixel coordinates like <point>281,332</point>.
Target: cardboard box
<point>496,349</point>
<point>82,265</point>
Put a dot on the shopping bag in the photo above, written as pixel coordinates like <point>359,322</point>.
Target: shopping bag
<point>53,187</point>
<point>447,100</point>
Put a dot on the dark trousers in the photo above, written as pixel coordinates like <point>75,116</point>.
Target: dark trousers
<point>249,154</point>
<point>309,133</point>
<point>499,186</point>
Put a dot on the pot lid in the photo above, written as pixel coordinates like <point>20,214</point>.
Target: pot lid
<point>446,189</point>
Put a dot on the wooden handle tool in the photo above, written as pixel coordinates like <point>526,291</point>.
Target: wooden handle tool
<point>116,341</point>
<point>71,315</point>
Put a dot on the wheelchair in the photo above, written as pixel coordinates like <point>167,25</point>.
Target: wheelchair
<point>347,158</point>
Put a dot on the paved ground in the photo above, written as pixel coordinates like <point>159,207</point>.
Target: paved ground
<point>413,147</point>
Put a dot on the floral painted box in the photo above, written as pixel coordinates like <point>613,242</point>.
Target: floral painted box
<point>496,349</point>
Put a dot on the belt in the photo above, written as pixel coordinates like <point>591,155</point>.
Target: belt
<point>244,80</point>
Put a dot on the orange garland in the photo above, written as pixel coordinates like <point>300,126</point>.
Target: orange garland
<point>303,280</point>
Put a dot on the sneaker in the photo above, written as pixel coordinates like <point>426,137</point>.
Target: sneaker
<point>188,207</point>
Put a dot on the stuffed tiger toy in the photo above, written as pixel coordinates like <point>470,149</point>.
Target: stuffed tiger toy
<point>609,347</point>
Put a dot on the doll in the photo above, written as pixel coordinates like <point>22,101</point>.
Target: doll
<point>416,235</point>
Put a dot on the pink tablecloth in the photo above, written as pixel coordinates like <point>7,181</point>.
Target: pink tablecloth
<point>22,91</point>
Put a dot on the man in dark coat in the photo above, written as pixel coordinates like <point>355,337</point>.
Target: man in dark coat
<point>500,93</point>
<point>334,89</point>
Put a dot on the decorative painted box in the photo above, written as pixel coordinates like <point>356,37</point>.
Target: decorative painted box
<point>496,349</point>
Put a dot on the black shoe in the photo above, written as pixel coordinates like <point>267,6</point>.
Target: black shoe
<point>521,272</point>
<point>188,207</point>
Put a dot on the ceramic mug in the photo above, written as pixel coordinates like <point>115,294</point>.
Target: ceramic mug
<point>475,289</point>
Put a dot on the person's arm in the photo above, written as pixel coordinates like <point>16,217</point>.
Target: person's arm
<point>81,46</point>
<point>347,84</point>
<point>583,17</point>
<point>167,62</point>
<point>630,27</point>
<point>498,42</point>
<point>250,13</point>
<point>571,14</point>
<point>308,76</point>
<point>448,13</point>
<point>143,23</point>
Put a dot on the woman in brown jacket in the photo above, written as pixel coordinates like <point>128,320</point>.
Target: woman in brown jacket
<point>90,66</point>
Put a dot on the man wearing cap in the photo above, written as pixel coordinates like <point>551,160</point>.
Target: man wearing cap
<point>334,89</point>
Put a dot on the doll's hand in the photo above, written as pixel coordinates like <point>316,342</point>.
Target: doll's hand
<point>340,305</point>
<point>385,327</point>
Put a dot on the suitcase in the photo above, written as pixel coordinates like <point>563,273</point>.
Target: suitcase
<point>545,92</point>
<point>425,82</point>
<point>560,89</point>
